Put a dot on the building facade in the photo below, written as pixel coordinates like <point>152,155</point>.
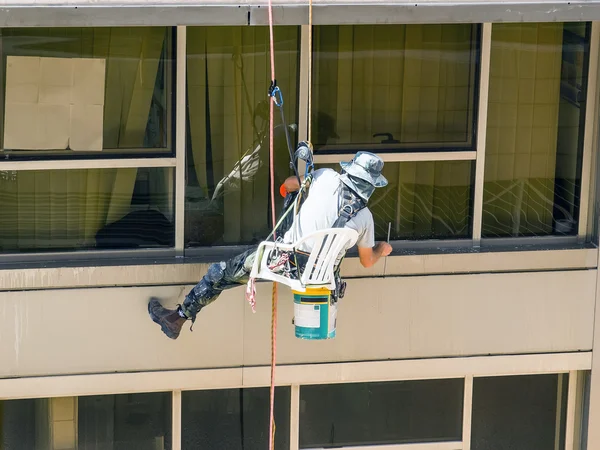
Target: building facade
<point>134,154</point>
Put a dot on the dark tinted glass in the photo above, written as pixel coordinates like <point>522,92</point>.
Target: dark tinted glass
<point>234,419</point>
<point>125,422</point>
<point>18,424</point>
<point>519,412</point>
<point>381,413</point>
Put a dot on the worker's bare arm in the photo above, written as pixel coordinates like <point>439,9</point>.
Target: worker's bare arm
<point>368,256</point>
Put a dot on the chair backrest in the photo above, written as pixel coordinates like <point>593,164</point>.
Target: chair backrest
<point>327,248</point>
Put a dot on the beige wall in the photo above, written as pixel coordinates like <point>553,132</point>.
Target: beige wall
<point>69,331</point>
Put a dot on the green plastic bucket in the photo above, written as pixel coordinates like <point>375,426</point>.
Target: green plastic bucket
<point>315,314</point>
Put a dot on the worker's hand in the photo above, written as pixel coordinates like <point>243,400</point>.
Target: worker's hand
<point>384,248</point>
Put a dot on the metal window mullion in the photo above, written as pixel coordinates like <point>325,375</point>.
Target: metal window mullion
<point>571,410</point>
<point>87,164</point>
<point>305,79</point>
<point>176,421</point>
<point>467,412</point>
<point>295,417</point>
<point>180,147</point>
<point>482,110</point>
<point>558,412</point>
<point>580,415</point>
<point>404,157</point>
<point>589,131</point>
<point>416,446</point>
<point>304,84</point>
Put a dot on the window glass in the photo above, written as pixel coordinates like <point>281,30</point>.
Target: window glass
<point>18,424</point>
<point>234,419</point>
<point>86,91</point>
<point>228,77</point>
<point>125,422</point>
<point>86,209</point>
<point>423,200</point>
<point>365,414</point>
<point>519,412</point>
<point>116,422</point>
<point>538,83</point>
<point>394,87</point>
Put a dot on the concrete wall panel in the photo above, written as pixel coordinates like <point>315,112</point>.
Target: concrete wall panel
<point>71,331</point>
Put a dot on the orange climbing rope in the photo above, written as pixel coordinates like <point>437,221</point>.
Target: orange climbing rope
<point>272,186</point>
<point>274,295</point>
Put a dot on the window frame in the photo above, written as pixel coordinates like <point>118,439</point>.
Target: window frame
<point>395,152</point>
<point>173,159</point>
<point>590,144</point>
<point>126,153</point>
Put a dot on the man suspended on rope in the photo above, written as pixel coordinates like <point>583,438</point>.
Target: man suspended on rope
<point>328,199</point>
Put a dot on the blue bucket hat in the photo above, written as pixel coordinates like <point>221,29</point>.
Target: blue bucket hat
<point>363,174</point>
<point>366,166</point>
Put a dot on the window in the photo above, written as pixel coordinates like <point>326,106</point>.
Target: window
<point>18,424</point>
<point>390,88</point>
<point>118,422</point>
<point>125,422</point>
<point>364,414</point>
<point>534,144</point>
<point>228,75</point>
<point>86,209</point>
<point>85,94</point>
<point>234,419</point>
<point>519,412</point>
<point>397,89</point>
<point>74,92</point>
<point>423,200</point>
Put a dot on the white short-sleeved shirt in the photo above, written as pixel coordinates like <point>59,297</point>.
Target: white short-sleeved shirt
<point>321,208</point>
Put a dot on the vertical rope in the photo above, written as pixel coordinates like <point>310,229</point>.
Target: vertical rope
<point>310,74</point>
<point>274,294</point>
<point>271,108</point>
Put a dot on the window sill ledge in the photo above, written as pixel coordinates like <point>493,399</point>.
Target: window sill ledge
<point>170,270</point>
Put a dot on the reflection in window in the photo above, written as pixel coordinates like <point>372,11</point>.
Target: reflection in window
<point>228,76</point>
<point>538,83</point>
<point>364,414</point>
<point>134,73</point>
<point>234,419</point>
<point>423,200</point>
<point>86,209</point>
<point>125,422</point>
<point>394,86</point>
<point>519,412</point>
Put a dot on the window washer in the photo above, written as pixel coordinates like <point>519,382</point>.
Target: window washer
<point>329,197</point>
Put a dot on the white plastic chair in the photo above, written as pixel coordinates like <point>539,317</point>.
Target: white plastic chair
<point>327,246</point>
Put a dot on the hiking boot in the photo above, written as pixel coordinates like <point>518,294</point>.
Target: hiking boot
<point>170,320</point>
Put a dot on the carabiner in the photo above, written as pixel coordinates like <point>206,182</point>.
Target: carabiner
<point>277,96</point>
